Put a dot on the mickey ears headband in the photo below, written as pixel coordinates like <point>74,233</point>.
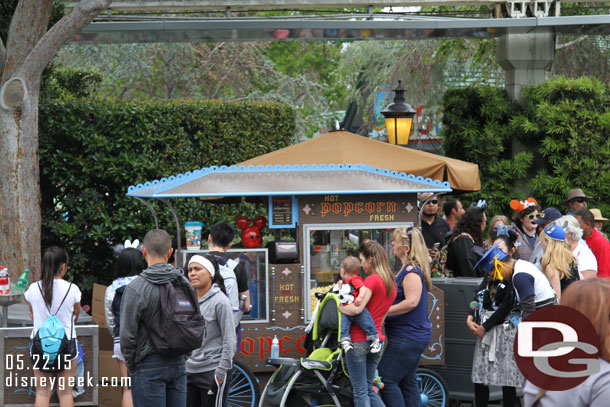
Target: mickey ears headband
<point>522,205</point>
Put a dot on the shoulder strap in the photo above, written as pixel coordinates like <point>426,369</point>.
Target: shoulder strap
<point>62,301</point>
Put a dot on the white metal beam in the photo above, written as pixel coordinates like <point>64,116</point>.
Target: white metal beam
<point>216,5</point>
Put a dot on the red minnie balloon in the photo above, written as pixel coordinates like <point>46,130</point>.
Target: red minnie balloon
<point>242,222</point>
<point>260,222</point>
<point>251,236</point>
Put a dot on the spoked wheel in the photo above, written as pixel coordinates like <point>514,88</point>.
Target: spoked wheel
<point>433,388</point>
<point>244,390</point>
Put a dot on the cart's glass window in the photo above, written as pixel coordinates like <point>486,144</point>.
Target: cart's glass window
<point>327,248</point>
<point>252,265</point>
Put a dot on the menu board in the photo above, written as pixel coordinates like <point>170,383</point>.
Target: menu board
<point>282,212</point>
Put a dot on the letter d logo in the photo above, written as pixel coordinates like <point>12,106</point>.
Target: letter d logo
<point>525,334</point>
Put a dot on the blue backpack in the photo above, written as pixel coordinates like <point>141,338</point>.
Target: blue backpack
<point>51,348</point>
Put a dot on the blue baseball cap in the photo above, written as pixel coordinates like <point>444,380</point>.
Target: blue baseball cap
<point>547,216</point>
<point>488,260</point>
<point>555,232</point>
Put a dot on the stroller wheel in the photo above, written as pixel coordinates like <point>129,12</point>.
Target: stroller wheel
<point>433,389</point>
<point>243,390</point>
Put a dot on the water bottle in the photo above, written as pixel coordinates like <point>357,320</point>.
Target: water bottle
<point>5,281</point>
<point>22,281</point>
<point>275,348</point>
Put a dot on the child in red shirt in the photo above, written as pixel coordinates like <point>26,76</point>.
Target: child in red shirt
<point>350,273</point>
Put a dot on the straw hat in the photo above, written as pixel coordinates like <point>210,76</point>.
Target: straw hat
<point>597,215</point>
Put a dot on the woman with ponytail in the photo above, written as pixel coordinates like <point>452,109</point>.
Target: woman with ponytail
<point>407,326</point>
<point>52,295</point>
<point>361,363</point>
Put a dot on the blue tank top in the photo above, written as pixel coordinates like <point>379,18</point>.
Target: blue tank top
<point>415,324</point>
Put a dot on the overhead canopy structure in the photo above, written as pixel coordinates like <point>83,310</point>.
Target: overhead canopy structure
<point>334,163</point>
<point>341,147</point>
<point>279,180</point>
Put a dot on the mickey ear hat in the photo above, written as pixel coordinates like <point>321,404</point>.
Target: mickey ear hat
<point>488,260</point>
<point>520,206</point>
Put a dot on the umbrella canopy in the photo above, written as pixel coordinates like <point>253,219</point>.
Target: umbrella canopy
<point>342,147</point>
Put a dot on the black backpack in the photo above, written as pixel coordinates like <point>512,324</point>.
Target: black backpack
<point>181,326</point>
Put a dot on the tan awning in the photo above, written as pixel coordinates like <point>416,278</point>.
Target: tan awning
<point>341,147</point>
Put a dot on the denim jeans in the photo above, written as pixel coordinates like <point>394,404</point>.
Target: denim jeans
<point>398,369</point>
<point>361,365</point>
<point>364,321</point>
<point>159,381</point>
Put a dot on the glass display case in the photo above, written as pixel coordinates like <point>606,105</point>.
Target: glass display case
<point>256,265</point>
<point>329,244</point>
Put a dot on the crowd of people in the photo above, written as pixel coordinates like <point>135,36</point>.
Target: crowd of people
<point>539,259</point>
<point>133,301</point>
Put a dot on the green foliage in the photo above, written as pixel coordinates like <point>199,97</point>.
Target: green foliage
<point>562,125</point>
<point>68,83</point>
<point>92,150</point>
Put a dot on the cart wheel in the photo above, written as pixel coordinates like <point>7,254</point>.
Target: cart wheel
<point>244,390</point>
<point>433,388</point>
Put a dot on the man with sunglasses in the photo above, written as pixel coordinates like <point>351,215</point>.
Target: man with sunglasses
<point>433,227</point>
<point>576,201</point>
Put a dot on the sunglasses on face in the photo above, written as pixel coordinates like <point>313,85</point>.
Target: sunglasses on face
<point>533,216</point>
<point>579,200</point>
<point>433,202</point>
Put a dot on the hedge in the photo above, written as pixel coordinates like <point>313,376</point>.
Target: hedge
<point>556,139</point>
<point>92,150</point>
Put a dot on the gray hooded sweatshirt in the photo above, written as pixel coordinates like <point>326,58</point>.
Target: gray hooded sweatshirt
<point>219,340</point>
<point>140,308</point>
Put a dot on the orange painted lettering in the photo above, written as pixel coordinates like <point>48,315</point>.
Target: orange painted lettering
<point>391,206</point>
<point>349,207</point>
<point>370,207</point>
<point>359,207</point>
<point>325,208</point>
<point>337,207</point>
<point>380,205</point>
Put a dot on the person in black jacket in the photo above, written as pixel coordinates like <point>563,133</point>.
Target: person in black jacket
<point>488,319</point>
<point>466,245</point>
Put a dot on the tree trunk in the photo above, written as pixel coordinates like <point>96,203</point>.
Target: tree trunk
<point>28,51</point>
<point>20,187</point>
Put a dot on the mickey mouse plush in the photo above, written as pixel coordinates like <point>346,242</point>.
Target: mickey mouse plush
<point>345,292</point>
<point>251,235</point>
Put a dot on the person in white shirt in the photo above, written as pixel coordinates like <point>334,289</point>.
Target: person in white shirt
<point>587,263</point>
<point>45,297</point>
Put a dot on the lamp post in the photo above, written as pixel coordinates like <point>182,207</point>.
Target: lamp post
<point>399,117</point>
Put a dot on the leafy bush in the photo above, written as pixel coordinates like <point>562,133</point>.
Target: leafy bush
<point>557,139</point>
<point>92,150</point>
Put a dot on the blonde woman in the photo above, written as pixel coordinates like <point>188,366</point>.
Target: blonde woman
<point>491,232</point>
<point>558,262</point>
<point>380,294</point>
<point>407,326</point>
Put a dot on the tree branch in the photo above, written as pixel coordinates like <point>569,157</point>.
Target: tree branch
<point>46,48</point>
<point>226,75</point>
<point>569,44</point>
